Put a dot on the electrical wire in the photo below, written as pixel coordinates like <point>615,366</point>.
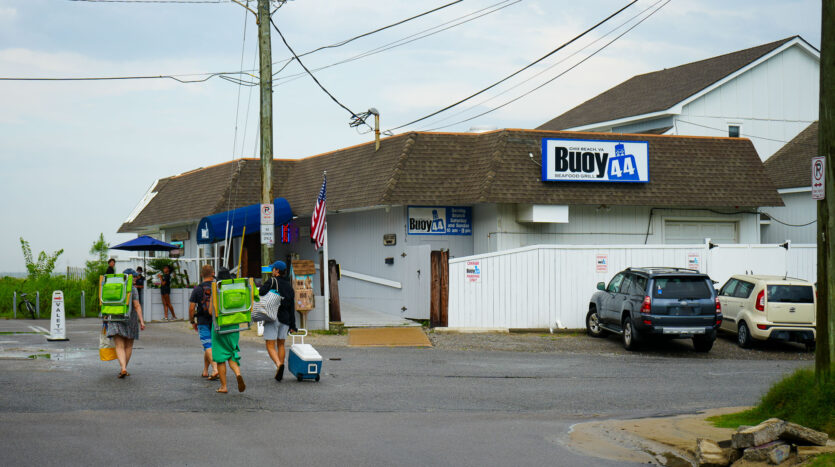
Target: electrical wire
<point>521,69</point>
<point>229,76</point>
<point>560,74</point>
<point>786,223</point>
<point>724,130</point>
<point>549,68</point>
<point>346,41</point>
<point>407,40</point>
<point>286,44</point>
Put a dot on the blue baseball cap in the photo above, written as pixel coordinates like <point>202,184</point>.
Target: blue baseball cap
<point>130,271</point>
<point>279,265</point>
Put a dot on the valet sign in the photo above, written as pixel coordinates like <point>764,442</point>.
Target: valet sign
<point>578,160</point>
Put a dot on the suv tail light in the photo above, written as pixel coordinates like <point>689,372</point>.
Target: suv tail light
<point>645,307</point>
<point>718,312</point>
<point>760,303</point>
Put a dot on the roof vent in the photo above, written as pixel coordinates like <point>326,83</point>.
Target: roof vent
<point>481,129</point>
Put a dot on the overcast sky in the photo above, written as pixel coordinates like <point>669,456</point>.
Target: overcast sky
<point>77,157</point>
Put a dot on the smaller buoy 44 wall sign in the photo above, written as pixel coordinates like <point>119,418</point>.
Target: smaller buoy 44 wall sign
<point>578,160</point>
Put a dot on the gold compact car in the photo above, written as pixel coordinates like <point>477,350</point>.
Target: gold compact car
<point>769,308</point>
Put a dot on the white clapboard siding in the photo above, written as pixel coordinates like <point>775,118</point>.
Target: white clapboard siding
<point>549,286</point>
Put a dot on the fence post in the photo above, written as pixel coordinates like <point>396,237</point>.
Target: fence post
<point>14,304</point>
<point>83,306</point>
<point>38,304</point>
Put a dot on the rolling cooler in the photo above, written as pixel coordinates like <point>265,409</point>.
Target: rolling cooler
<point>305,361</point>
<point>114,297</point>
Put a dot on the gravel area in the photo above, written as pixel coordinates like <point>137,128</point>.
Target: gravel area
<point>725,346</point>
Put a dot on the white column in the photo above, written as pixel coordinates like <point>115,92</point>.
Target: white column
<point>326,272</point>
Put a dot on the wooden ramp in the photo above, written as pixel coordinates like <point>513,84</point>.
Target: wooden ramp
<point>388,337</point>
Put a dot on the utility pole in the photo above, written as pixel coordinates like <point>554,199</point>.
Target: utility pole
<point>825,353</point>
<point>265,53</point>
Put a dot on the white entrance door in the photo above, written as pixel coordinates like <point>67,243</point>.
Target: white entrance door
<point>695,232</point>
<point>417,279</point>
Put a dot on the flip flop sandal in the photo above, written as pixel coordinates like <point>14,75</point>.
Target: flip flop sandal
<point>214,377</point>
<point>122,374</point>
<point>222,392</point>
<point>241,384</point>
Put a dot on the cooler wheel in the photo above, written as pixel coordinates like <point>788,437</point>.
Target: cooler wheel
<point>299,377</point>
<point>316,378</point>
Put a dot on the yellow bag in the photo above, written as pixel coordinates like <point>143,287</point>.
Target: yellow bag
<point>107,350</point>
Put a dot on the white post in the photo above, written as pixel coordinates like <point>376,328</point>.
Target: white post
<point>325,273</point>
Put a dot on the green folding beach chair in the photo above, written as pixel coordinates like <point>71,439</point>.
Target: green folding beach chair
<point>233,299</point>
<point>114,296</point>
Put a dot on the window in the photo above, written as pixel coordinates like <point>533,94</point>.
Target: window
<point>614,286</point>
<point>743,289</point>
<point>626,285</point>
<point>791,294</point>
<point>639,285</point>
<point>733,131</point>
<point>729,288</point>
<point>690,288</point>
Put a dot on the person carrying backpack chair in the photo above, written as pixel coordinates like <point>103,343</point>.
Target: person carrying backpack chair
<point>201,320</point>
<point>275,332</point>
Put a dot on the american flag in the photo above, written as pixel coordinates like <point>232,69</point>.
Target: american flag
<point>317,223</point>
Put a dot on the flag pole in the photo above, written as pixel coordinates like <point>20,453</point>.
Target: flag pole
<point>326,273</point>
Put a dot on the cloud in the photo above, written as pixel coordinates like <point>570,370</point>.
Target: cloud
<point>7,14</point>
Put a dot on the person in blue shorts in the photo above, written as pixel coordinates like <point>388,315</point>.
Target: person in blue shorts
<point>199,317</point>
<point>275,332</point>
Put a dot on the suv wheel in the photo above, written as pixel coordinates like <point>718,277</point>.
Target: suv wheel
<point>703,343</point>
<point>743,336</point>
<point>630,336</point>
<point>593,323</point>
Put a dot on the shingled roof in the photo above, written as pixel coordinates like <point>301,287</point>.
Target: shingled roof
<point>466,169</point>
<point>791,166</point>
<point>659,90</point>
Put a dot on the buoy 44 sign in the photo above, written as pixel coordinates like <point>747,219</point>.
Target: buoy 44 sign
<point>578,160</point>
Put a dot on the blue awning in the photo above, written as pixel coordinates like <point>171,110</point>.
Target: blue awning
<point>213,228</point>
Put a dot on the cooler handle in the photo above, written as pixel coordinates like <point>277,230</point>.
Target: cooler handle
<point>300,336</point>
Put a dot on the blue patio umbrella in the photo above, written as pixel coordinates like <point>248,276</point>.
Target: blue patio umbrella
<point>144,243</point>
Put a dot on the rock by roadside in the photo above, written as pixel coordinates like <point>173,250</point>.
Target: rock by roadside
<point>672,441</point>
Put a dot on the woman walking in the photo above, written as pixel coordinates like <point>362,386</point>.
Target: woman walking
<point>125,332</point>
<point>165,291</point>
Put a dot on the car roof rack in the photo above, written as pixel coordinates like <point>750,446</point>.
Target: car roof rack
<point>662,269</point>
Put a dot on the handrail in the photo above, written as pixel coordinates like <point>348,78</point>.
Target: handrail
<point>372,279</point>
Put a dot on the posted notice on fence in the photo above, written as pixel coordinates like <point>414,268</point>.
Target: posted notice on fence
<point>601,263</point>
<point>473,271</point>
<point>694,261</point>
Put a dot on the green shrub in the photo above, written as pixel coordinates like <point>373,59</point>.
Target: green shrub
<point>46,285</point>
<point>796,398</point>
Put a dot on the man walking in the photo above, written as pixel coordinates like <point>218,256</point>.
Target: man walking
<point>275,333</point>
<point>199,317</point>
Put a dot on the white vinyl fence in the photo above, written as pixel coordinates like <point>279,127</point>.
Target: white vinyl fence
<point>549,286</point>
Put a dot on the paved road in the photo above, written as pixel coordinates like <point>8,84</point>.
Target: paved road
<point>372,407</point>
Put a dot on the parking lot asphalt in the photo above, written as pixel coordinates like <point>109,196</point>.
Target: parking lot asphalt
<point>401,406</point>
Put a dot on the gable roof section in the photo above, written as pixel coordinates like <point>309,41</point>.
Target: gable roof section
<point>658,90</point>
<point>471,168</point>
<point>791,166</point>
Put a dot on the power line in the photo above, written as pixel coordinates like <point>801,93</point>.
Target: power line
<point>560,74</point>
<point>723,130</point>
<point>409,39</point>
<point>206,76</point>
<point>283,39</point>
<point>346,41</point>
<point>519,70</point>
<point>550,67</point>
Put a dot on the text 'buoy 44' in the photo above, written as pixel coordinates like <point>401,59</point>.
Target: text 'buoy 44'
<point>58,322</point>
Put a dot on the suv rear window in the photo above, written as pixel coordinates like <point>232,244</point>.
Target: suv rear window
<point>791,294</point>
<point>680,287</point>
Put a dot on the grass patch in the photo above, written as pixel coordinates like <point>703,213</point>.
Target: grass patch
<point>796,398</point>
<point>327,332</point>
<point>824,460</point>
